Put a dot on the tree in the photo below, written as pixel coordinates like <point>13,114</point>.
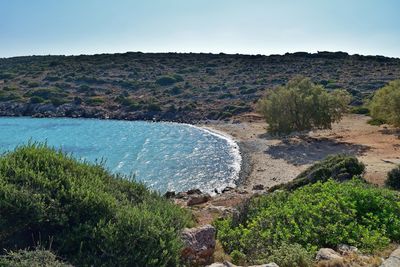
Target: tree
<point>302,105</point>
<point>385,105</point>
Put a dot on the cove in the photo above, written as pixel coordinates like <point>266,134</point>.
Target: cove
<point>165,156</point>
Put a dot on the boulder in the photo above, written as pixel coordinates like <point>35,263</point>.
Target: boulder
<point>227,189</point>
<point>328,254</point>
<point>199,245</point>
<point>346,249</point>
<point>194,191</point>
<point>393,260</point>
<point>198,199</point>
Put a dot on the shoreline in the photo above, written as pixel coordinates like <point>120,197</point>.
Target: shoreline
<point>244,152</point>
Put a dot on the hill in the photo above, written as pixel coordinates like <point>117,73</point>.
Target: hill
<point>173,86</point>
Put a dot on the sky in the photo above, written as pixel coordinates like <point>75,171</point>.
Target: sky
<point>73,27</point>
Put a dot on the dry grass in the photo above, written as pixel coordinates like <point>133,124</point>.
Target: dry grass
<point>219,254</point>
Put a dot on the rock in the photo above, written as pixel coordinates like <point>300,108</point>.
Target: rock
<point>328,254</point>
<point>194,191</point>
<point>169,194</point>
<point>228,264</point>
<point>258,187</point>
<point>227,189</point>
<point>198,199</point>
<point>181,195</point>
<point>393,260</point>
<point>346,249</point>
<point>199,245</point>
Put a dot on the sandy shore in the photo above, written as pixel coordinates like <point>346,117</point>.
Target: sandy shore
<point>258,166</point>
<point>269,160</point>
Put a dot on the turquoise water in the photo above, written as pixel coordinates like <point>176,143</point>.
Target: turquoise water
<point>166,156</point>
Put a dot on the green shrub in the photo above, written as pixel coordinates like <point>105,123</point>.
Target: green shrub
<point>338,167</point>
<point>376,122</point>
<point>301,105</point>
<point>166,80</point>
<point>360,110</point>
<point>385,105</point>
<point>31,258</point>
<point>7,96</point>
<point>393,178</point>
<point>291,255</point>
<point>47,93</point>
<point>94,101</point>
<point>314,216</point>
<point>153,107</point>
<point>89,216</point>
<point>36,99</point>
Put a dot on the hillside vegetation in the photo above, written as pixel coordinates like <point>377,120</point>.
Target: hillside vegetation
<point>86,215</point>
<point>179,87</point>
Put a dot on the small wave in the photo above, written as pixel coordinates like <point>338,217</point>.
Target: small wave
<point>234,151</point>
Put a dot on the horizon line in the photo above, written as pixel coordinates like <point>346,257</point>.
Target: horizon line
<point>186,52</point>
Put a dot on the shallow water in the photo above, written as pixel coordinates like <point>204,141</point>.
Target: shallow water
<point>166,156</point>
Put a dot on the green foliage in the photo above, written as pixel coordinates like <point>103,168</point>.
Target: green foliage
<point>47,93</point>
<point>338,167</point>
<point>393,178</point>
<point>166,80</point>
<point>87,215</point>
<point>31,258</point>
<point>36,99</point>
<point>153,107</point>
<point>385,105</point>
<point>7,96</point>
<point>360,110</point>
<point>291,255</point>
<point>376,122</point>
<point>314,216</point>
<point>301,105</point>
<point>94,101</point>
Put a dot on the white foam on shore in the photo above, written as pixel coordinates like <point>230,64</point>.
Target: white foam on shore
<point>234,150</point>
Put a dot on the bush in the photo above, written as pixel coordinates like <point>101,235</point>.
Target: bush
<point>385,105</point>
<point>36,99</point>
<point>360,110</point>
<point>47,93</point>
<point>376,122</point>
<point>166,80</point>
<point>338,167</point>
<point>301,105</point>
<point>393,178</point>
<point>34,258</point>
<point>314,216</point>
<point>87,215</point>
<point>291,255</point>
<point>94,101</point>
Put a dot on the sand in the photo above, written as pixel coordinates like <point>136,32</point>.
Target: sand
<point>272,160</point>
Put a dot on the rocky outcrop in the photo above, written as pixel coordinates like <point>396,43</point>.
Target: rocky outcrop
<point>198,199</point>
<point>328,254</point>
<point>346,249</point>
<point>393,260</point>
<point>228,264</point>
<point>199,245</point>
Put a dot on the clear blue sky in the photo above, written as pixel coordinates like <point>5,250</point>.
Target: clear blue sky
<point>33,27</point>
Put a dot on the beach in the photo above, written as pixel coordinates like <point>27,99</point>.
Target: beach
<point>269,160</point>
